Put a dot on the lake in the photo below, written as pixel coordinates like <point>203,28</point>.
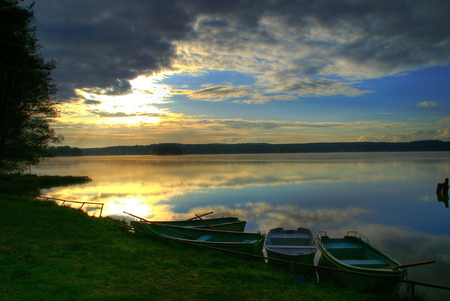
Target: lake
<point>388,197</point>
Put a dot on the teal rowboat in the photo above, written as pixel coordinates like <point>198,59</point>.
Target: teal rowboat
<point>250,243</point>
<point>219,223</point>
<point>293,247</point>
<point>353,253</point>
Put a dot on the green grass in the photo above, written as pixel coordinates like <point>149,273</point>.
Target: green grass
<point>13,183</point>
<point>49,252</point>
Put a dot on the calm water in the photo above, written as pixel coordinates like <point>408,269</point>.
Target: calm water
<point>388,197</point>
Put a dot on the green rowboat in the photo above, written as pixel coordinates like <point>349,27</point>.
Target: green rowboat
<point>219,223</point>
<point>293,247</point>
<point>250,243</point>
<point>353,253</point>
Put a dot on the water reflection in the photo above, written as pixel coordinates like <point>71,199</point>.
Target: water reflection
<point>442,192</point>
<point>389,198</point>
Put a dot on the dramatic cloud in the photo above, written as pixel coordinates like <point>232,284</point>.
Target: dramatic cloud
<point>291,46</point>
<point>205,71</point>
<point>101,42</point>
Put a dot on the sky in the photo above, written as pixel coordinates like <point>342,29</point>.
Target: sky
<point>141,72</point>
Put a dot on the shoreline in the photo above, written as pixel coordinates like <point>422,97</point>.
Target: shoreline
<point>50,251</point>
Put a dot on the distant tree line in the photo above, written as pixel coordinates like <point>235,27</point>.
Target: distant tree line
<point>167,150</point>
<point>64,151</point>
<point>256,148</point>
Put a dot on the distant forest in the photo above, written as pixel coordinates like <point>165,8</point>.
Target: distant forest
<point>252,148</point>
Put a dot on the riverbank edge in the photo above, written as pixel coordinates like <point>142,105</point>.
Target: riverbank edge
<point>31,184</point>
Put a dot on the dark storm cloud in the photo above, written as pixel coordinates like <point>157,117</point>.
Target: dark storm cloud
<point>397,34</point>
<point>100,42</point>
<point>104,43</point>
<point>121,87</point>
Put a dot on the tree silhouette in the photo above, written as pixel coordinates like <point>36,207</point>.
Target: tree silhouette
<point>167,150</point>
<point>27,92</point>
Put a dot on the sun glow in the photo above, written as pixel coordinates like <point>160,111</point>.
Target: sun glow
<point>136,107</point>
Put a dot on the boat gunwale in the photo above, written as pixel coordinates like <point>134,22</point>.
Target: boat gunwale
<point>193,241</point>
<point>231,218</point>
<point>207,230</point>
<point>200,226</point>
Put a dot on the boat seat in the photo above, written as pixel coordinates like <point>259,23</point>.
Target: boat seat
<point>284,235</point>
<point>341,245</point>
<point>290,247</point>
<point>345,249</point>
<point>290,241</point>
<point>366,263</point>
<point>294,252</point>
<point>204,238</point>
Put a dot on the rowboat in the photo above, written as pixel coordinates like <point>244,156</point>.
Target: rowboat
<point>295,248</point>
<point>353,253</point>
<point>220,223</point>
<point>249,243</point>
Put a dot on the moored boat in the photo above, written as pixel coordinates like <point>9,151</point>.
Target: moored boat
<point>295,248</point>
<point>353,253</point>
<point>219,223</point>
<point>250,243</point>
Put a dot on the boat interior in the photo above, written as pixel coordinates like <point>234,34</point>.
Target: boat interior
<point>355,254</point>
<point>291,244</point>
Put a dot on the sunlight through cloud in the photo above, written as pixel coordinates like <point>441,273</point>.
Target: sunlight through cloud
<point>135,107</point>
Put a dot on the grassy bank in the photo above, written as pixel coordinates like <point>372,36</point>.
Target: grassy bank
<point>17,183</point>
<point>51,252</point>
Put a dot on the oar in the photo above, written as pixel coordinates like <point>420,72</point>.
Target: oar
<point>137,216</point>
<point>159,225</point>
<point>410,265</point>
<point>199,215</point>
<point>205,222</point>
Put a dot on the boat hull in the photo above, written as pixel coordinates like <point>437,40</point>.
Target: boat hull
<point>220,223</point>
<point>249,243</point>
<point>295,249</point>
<point>352,254</point>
